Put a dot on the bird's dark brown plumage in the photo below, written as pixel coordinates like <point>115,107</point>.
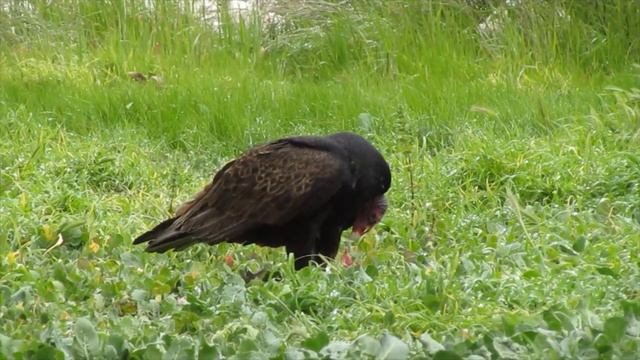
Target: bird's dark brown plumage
<point>298,192</point>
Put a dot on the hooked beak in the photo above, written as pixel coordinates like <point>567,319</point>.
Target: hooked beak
<point>369,214</point>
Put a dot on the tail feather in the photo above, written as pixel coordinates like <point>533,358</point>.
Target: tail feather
<point>177,234</point>
<point>162,238</point>
<point>176,241</point>
<point>153,233</point>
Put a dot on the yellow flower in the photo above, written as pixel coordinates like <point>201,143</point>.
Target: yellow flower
<point>48,232</point>
<point>94,246</point>
<point>11,257</point>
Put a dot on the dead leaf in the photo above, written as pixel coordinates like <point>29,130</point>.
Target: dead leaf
<point>137,76</point>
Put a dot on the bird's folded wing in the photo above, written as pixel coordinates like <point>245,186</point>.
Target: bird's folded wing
<point>271,185</point>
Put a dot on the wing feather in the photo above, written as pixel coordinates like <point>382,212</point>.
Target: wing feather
<point>269,185</point>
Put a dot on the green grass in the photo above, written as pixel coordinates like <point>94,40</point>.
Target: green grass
<point>514,225</point>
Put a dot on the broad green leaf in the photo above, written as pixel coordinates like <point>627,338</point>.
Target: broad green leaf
<point>504,348</point>
<point>316,342</point>
<point>8,346</point>
<point>335,349</point>
<point>633,327</point>
<point>270,341</point>
<point>372,270</point>
<point>248,345</point>
<point>294,354</point>
<point>446,355</point>
<point>604,270</point>
<point>615,327</point>
<point>431,345</point>
<point>472,357</point>
<point>130,260</point>
<point>392,348</point>
<point>110,352</point>
<point>367,345</point>
<point>46,352</point>
<point>151,352</point>
<point>118,343</point>
<point>631,308</point>
<point>552,320</point>
<point>580,244</point>
<point>180,349</point>
<point>86,335</point>
<point>74,233</point>
<point>208,352</point>
<point>139,295</point>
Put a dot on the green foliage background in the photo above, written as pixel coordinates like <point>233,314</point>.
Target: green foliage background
<point>513,133</point>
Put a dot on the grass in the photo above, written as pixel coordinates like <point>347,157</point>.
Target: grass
<point>514,226</point>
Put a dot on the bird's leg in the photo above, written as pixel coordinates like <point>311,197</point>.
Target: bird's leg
<point>302,243</point>
<point>329,241</point>
<point>308,240</point>
<point>303,252</point>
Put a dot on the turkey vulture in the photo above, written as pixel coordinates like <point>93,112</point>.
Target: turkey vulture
<point>298,192</point>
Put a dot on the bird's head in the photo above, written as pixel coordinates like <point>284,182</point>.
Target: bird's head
<point>372,186</point>
<point>372,181</point>
<point>369,214</point>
